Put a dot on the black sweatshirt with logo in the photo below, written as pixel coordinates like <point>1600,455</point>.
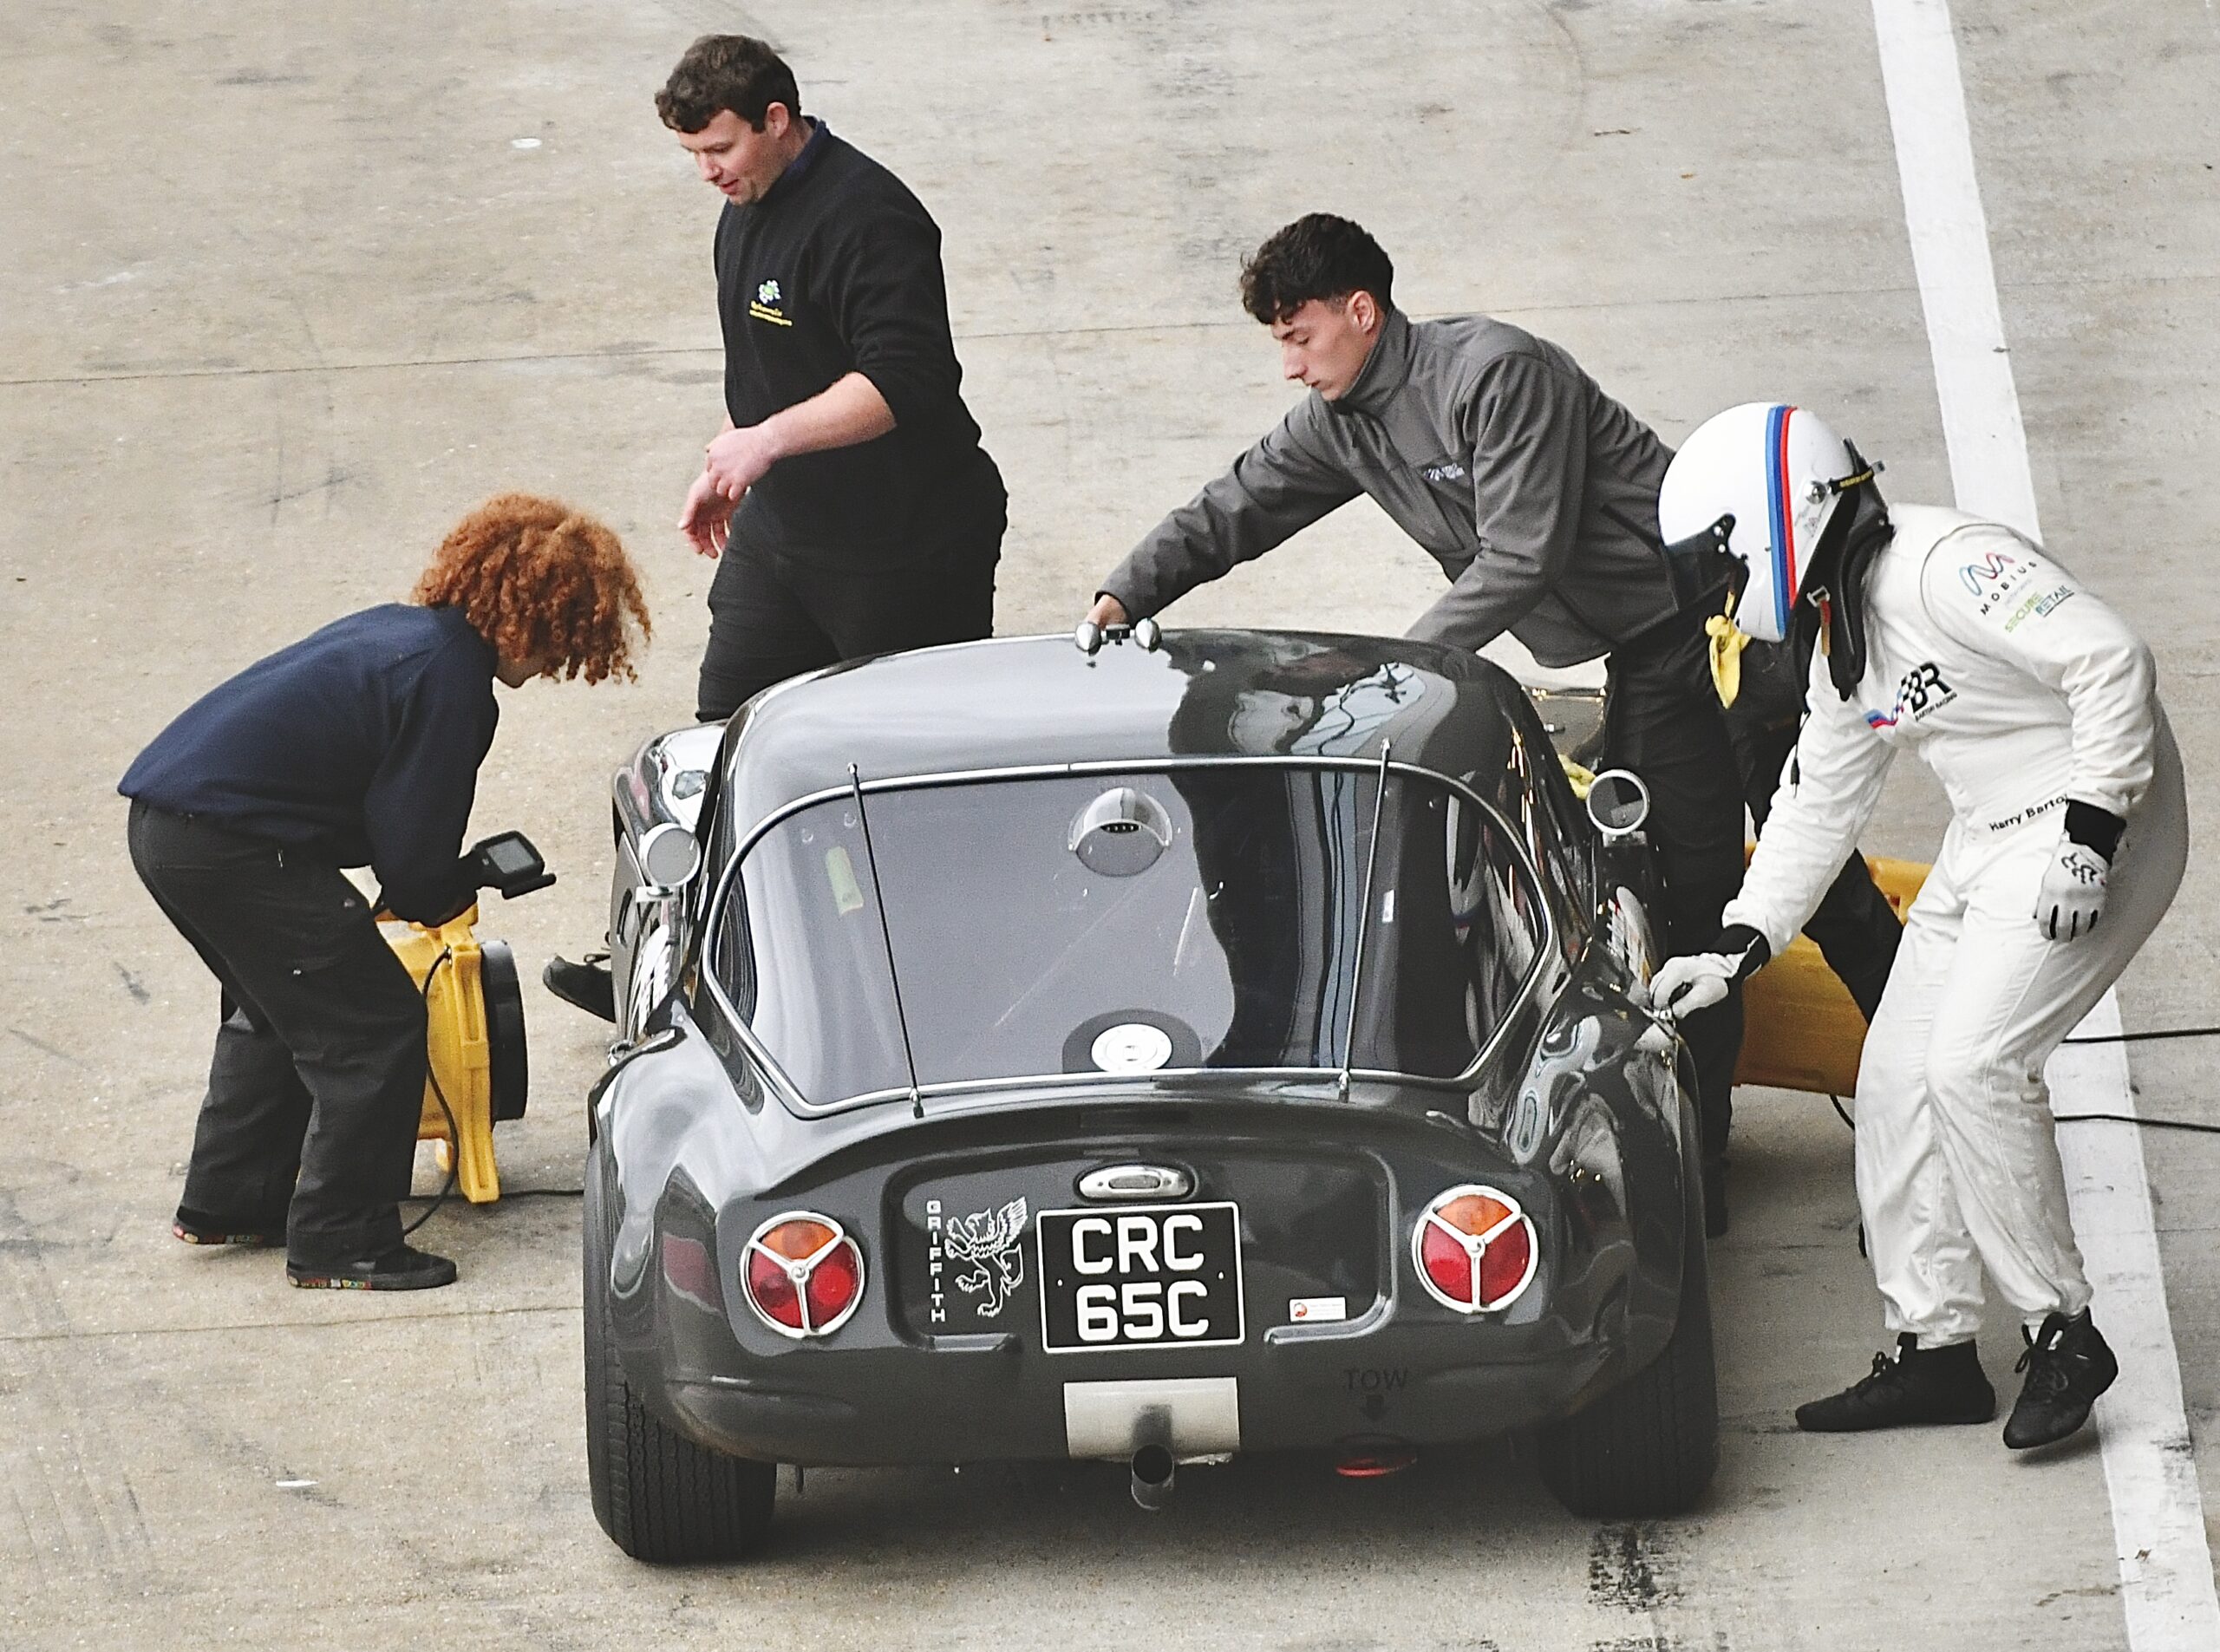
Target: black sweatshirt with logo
<point>837,270</point>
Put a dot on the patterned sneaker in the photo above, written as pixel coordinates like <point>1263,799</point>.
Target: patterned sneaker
<point>402,1268</point>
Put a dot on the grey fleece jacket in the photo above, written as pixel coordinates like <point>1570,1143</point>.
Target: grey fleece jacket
<point>1535,492</point>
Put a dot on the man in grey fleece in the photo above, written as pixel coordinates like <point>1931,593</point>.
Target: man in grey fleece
<point>1538,495</point>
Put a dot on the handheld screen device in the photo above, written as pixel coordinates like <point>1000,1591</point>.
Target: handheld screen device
<point>508,862</point>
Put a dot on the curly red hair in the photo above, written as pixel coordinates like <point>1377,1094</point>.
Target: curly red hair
<point>540,581</point>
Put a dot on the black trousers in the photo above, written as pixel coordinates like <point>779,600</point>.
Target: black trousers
<point>774,615</point>
<point>1661,719</point>
<point>317,1080</point>
<point>1855,928</point>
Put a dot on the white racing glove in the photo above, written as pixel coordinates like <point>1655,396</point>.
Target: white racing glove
<point>2073,896</point>
<point>1696,981</point>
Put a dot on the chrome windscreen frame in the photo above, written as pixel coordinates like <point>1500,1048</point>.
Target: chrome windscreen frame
<point>1547,945</point>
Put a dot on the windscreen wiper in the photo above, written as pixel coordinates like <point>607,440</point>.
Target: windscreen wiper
<point>1363,927</point>
<point>887,935</point>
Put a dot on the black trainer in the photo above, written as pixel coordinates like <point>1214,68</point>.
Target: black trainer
<point>402,1268</point>
<point>585,983</point>
<point>1920,1385</point>
<point>2068,1365</point>
<point>196,1227</point>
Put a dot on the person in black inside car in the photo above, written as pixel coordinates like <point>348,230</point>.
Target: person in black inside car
<point>847,499</point>
<point>358,746</point>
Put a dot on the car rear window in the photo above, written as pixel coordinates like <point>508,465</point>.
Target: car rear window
<point>1204,916</point>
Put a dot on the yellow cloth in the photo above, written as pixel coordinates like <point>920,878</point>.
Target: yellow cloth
<point>1581,779</point>
<point>1728,642</point>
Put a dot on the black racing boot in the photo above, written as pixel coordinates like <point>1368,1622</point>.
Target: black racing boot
<point>402,1268</point>
<point>2068,1365</point>
<point>585,983</point>
<point>1921,1385</point>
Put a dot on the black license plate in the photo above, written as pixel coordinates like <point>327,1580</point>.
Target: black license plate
<point>1166,1275</point>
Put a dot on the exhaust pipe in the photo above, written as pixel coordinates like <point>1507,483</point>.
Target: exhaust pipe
<point>1154,1468</point>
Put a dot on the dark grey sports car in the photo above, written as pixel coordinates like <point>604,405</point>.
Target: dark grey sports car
<point>1220,1042</point>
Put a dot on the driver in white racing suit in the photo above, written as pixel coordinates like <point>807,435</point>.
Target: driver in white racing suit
<point>2037,708</point>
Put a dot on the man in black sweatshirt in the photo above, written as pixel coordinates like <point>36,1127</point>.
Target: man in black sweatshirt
<point>358,746</point>
<point>848,496</point>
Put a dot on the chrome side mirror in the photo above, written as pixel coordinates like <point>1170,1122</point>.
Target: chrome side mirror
<point>1618,803</point>
<point>668,857</point>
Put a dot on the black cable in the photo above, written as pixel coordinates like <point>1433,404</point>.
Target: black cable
<point>508,1193</point>
<point>2129,1118</point>
<point>2086,1118</point>
<point>2144,1038</point>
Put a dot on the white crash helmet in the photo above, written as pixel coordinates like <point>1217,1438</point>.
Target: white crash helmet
<point>1779,472</point>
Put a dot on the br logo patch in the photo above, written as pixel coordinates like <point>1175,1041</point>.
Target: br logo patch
<point>1921,690</point>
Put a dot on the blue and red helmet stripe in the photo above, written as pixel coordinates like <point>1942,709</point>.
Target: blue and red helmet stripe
<point>1778,510</point>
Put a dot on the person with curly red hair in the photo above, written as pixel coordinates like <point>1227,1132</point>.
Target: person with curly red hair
<point>358,746</point>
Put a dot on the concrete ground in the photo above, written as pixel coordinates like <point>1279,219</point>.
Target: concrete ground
<point>283,290</point>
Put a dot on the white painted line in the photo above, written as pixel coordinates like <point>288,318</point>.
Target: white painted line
<point>1950,254</point>
<point>2166,1565</point>
<point>2165,1568</point>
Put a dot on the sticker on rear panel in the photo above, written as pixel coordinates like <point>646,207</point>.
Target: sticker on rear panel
<point>1303,1311</point>
<point>989,1263</point>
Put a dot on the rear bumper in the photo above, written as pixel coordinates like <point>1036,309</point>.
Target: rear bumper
<point>997,1400</point>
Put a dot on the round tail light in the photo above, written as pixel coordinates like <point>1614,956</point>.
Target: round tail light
<point>1475,1249</point>
<point>802,1274</point>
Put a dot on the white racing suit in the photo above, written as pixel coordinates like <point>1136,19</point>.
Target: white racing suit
<point>2021,689</point>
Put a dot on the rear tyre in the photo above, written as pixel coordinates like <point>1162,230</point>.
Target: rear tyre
<point>1649,1446</point>
<point>658,1495</point>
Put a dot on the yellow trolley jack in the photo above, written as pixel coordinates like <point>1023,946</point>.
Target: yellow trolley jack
<point>1800,1029</point>
<point>477,1074</point>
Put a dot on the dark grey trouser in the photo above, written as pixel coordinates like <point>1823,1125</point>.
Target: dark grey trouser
<point>1661,720</point>
<point>1855,928</point>
<point>773,615</point>
<point>318,1075</point>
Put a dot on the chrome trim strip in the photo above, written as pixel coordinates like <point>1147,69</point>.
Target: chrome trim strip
<point>1363,925</point>
<point>791,1094</point>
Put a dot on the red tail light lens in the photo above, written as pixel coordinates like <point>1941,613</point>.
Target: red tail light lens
<point>834,1285</point>
<point>803,1274</point>
<point>1475,1249</point>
